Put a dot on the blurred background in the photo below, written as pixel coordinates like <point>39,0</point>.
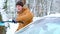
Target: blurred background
<point>38,7</point>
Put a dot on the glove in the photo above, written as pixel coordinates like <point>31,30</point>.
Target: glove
<point>14,21</point>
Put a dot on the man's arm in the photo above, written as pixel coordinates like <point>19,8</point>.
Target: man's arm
<point>25,17</point>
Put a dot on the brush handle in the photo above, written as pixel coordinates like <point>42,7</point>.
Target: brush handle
<point>12,21</point>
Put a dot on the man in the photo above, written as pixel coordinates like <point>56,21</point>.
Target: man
<point>23,14</point>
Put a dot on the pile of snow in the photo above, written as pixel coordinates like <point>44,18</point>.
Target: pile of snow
<point>12,28</point>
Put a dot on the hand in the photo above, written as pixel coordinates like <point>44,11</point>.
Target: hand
<point>14,21</point>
